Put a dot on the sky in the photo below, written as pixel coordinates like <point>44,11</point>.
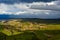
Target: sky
<point>22,9</point>
<point>26,1</point>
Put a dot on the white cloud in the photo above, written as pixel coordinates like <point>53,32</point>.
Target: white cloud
<point>23,10</point>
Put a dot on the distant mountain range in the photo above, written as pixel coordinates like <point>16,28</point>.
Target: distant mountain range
<point>4,16</point>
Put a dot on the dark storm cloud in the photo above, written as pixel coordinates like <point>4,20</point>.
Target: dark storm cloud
<point>21,10</point>
<point>18,1</point>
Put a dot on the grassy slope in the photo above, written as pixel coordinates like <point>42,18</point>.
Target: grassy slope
<point>53,29</point>
<point>35,35</point>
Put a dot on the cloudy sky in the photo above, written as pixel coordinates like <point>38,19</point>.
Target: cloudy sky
<point>26,9</point>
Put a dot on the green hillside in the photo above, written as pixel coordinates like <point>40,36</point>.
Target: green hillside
<point>30,29</point>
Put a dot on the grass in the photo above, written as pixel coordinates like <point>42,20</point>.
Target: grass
<point>8,32</point>
<point>30,29</point>
<point>36,35</point>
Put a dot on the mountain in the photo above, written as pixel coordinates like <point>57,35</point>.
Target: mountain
<point>42,16</point>
<point>3,16</point>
